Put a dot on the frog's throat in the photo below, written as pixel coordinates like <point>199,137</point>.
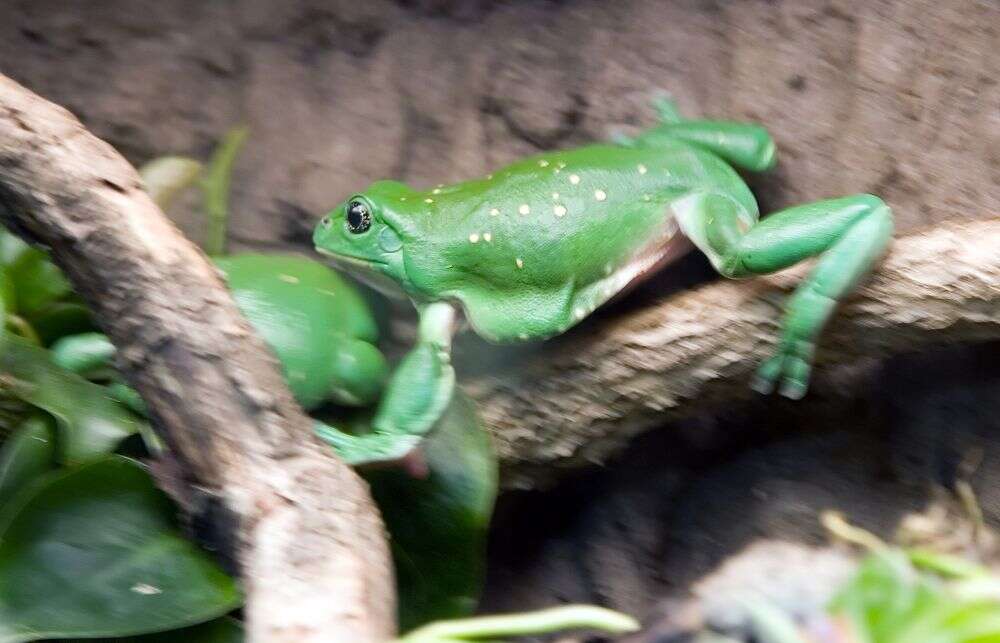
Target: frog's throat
<point>371,273</point>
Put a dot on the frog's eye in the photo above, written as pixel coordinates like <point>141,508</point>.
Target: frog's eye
<point>359,217</point>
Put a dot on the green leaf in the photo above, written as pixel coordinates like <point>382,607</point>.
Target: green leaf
<point>221,630</point>
<point>438,524</point>
<point>27,455</point>
<point>61,318</point>
<point>37,282</point>
<point>884,596</point>
<point>91,423</point>
<point>947,565</point>
<point>545,621</point>
<point>168,176</point>
<point>891,601</point>
<point>94,552</point>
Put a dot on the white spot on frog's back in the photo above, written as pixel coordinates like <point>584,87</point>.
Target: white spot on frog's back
<point>600,195</point>
<point>288,279</point>
<point>494,212</point>
<point>574,179</point>
<point>519,262</point>
<point>428,200</point>
<point>642,169</point>
<point>543,163</point>
<point>559,210</point>
<point>473,238</point>
<point>487,237</point>
<point>146,589</point>
<point>524,208</point>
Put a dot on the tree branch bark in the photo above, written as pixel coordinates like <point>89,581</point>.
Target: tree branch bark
<point>307,538</point>
<point>580,398</point>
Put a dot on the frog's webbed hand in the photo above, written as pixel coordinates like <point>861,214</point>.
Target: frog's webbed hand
<point>849,234</point>
<point>415,398</point>
<point>84,352</point>
<point>88,354</point>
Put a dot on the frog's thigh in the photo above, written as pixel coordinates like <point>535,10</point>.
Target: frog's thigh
<point>700,216</point>
<point>746,146</point>
<point>525,313</point>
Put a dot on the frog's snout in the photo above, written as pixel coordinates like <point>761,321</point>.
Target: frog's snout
<point>326,229</point>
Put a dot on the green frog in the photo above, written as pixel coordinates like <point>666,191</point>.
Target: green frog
<point>531,249</point>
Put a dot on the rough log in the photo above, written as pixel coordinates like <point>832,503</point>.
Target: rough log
<point>580,399</point>
<point>307,538</point>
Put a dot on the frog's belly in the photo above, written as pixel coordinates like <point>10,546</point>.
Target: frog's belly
<point>521,314</point>
<point>652,260</point>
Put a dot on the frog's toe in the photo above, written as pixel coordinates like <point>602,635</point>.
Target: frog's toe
<point>618,137</point>
<point>796,378</point>
<point>767,375</point>
<point>362,450</point>
<point>788,371</point>
<point>666,107</point>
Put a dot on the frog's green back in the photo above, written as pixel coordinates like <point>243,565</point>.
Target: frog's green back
<point>536,246</point>
<point>304,311</point>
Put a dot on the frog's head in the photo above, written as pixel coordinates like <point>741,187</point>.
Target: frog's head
<point>369,231</point>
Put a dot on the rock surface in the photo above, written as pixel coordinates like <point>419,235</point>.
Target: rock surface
<point>898,97</point>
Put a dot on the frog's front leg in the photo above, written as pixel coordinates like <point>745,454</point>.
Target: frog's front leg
<point>414,399</point>
<point>848,233</point>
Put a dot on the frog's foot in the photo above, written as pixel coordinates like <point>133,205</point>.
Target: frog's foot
<point>666,107</point>
<point>84,352</point>
<point>790,367</point>
<point>374,448</point>
<point>617,137</point>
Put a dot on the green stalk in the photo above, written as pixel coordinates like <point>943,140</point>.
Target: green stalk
<point>215,187</point>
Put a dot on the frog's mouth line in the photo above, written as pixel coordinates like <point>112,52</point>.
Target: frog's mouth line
<point>351,259</point>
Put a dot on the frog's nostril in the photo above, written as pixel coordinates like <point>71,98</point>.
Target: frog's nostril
<point>325,221</point>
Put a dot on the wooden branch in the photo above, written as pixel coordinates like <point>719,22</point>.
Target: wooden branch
<point>308,539</point>
<point>579,399</point>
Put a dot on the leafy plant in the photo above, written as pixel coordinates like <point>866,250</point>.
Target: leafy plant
<point>93,551</point>
<point>439,523</point>
<point>900,596</point>
<point>88,547</point>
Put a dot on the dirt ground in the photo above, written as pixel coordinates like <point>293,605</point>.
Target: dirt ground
<point>898,98</point>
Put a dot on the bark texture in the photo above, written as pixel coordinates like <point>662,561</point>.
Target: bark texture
<point>306,536</point>
<point>579,399</point>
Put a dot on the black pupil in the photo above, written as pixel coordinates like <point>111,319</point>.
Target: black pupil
<point>358,218</point>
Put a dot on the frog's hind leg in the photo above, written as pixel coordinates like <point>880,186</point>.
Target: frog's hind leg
<point>848,234</point>
<point>744,145</point>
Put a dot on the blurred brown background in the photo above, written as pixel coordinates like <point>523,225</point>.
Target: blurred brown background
<point>900,98</point>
